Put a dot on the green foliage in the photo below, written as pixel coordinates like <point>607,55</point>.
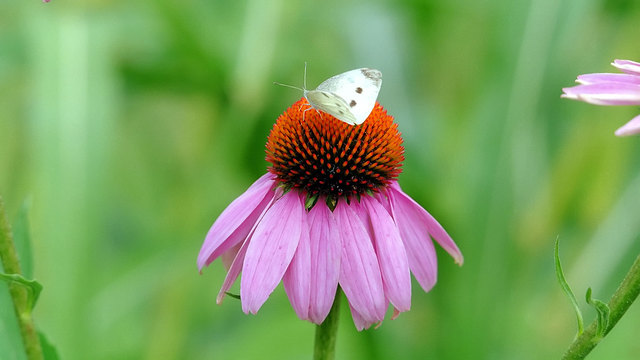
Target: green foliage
<point>603,315</point>
<point>10,342</point>
<point>33,286</point>
<point>48,350</point>
<point>567,289</point>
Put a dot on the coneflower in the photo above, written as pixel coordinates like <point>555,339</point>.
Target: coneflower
<point>611,89</point>
<point>329,212</point>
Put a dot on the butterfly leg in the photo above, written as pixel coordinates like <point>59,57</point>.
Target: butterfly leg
<point>305,110</point>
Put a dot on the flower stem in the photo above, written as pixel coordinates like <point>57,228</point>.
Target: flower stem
<point>325,346</point>
<point>19,293</point>
<point>620,302</point>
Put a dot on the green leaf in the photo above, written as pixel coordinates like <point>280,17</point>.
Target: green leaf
<point>603,314</point>
<point>33,286</point>
<point>566,288</point>
<point>49,351</point>
<point>10,339</point>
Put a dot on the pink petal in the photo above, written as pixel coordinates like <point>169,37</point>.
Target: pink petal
<point>420,216</point>
<point>360,276</point>
<point>270,251</point>
<point>392,256</point>
<point>588,79</point>
<point>627,66</point>
<point>359,321</point>
<point>232,274</point>
<point>382,199</point>
<point>235,222</point>
<point>238,259</point>
<point>325,261</point>
<point>363,214</point>
<point>296,279</point>
<point>421,253</point>
<point>630,128</point>
<point>605,93</point>
<point>396,313</point>
<point>230,255</point>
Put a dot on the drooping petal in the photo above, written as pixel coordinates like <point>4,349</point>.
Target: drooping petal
<point>419,215</point>
<point>359,321</point>
<point>396,313</point>
<point>630,128</point>
<point>391,254</point>
<point>627,66</point>
<point>421,253</point>
<point>363,214</point>
<point>235,222</point>
<point>238,259</point>
<point>382,199</point>
<point>325,261</point>
<point>360,276</point>
<point>270,251</point>
<point>297,279</point>
<point>605,93</point>
<point>599,78</point>
<point>230,255</point>
<point>232,274</point>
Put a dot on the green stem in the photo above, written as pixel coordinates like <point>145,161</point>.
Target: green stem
<point>325,346</point>
<point>19,293</point>
<point>620,302</point>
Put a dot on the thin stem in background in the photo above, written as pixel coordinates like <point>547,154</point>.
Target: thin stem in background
<point>620,302</point>
<point>326,333</point>
<point>19,293</point>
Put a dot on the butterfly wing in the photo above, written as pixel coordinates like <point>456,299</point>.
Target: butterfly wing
<point>358,90</point>
<point>331,104</point>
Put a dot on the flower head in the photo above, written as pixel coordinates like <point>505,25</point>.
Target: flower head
<point>328,213</point>
<point>611,89</point>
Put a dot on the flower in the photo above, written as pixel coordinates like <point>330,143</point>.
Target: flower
<point>611,89</point>
<point>328,212</point>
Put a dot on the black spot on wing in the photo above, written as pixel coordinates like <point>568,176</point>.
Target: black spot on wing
<point>359,90</point>
<point>352,103</point>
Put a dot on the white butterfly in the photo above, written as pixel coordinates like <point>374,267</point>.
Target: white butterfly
<point>349,96</point>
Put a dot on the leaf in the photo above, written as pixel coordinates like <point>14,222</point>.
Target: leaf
<point>232,295</point>
<point>49,351</point>
<point>603,314</point>
<point>566,288</point>
<point>10,339</point>
<point>33,286</point>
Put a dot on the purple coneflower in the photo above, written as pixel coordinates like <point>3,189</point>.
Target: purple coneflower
<point>611,89</point>
<point>328,212</point>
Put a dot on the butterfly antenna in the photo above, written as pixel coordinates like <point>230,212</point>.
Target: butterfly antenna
<point>289,86</point>
<point>304,78</point>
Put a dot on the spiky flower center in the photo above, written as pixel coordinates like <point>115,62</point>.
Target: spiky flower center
<point>318,154</point>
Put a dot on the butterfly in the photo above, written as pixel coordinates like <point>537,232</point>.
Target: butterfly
<point>349,96</point>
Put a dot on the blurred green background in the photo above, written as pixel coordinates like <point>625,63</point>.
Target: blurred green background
<point>129,126</point>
